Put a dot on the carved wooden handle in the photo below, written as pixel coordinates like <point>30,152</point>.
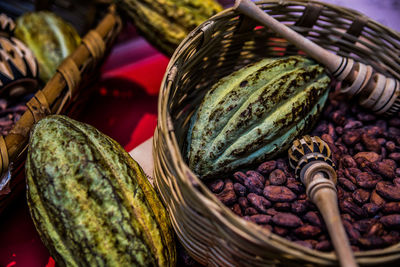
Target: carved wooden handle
<point>310,157</point>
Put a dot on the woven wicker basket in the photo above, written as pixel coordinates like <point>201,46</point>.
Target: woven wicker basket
<point>210,231</point>
<point>65,93</point>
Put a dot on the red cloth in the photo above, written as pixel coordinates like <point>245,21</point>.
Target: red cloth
<point>124,106</point>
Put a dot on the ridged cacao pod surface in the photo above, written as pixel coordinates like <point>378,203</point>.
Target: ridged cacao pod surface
<point>91,202</point>
<point>50,38</point>
<point>165,23</point>
<point>255,113</point>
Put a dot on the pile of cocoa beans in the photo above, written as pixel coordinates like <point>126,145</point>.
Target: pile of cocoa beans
<point>366,151</point>
<point>10,112</point>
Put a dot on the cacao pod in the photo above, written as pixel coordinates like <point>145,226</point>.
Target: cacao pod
<point>50,38</point>
<point>255,113</point>
<point>91,202</point>
<point>165,23</point>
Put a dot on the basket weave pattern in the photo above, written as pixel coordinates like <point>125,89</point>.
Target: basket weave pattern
<point>210,231</point>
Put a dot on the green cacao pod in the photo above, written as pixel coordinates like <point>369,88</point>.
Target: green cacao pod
<point>165,23</point>
<point>255,113</point>
<point>91,202</point>
<point>50,38</point>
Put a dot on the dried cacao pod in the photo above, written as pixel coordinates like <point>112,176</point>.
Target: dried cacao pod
<point>91,202</point>
<point>255,113</point>
<point>166,23</point>
<point>50,38</point>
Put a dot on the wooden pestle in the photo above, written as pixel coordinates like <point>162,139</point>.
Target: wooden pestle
<point>310,157</point>
<point>373,90</point>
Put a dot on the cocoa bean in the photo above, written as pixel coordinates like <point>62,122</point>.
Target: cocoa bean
<point>347,184</point>
<point>360,196</point>
<point>390,146</point>
<point>258,202</point>
<point>302,196</point>
<point>327,138</point>
<point>392,220</point>
<point>256,175</point>
<point>254,184</point>
<point>369,156</point>
<point>364,224</point>
<point>279,193</point>
<point>371,242</point>
<point>295,185</point>
<point>250,211</point>
<point>237,209</point>
<point>395,156</point>
<point>349,207</point>
<point>370,208</point>
<point>381,141</point>
<point>391,207</point>
<point>342,194</point>
<point>388,191</point>
<point>338,117</point>
<point>298,207</point>
<point>377,199</point>
<point>352,233</point>
<point>282,206</point>
<point>216,186</point>
<point>358,148</point>
<point>396,181</point>
<point>370,143</point>
<point>307,231</point>
<point>277,177</point>
<point>351,137</point>
<point>280,230</point>
<point>374,130</point>
<point>384,169</point>
<point>349,162</point>
<point>354,171</point>
<point>287,220</point>
<point>347,174</point>
<point>352,124</point>
<point>243,202</point>
<point>391,163</point>
<point>239,189</point>
<point>272,211</point>
<point>282,165</point>
<point>267,167</point>
<point>324,245</point>
<point>347,217</point>
<point>339,130</point>
<point>313,218</point>
<point>390,239</point>
<point>365,117</point>
<point>239,177</point>
<point>227,195</point>
<point>260,218</point>
<point>393,132</point>
<point>375,229</point>
<point>366,180</point>
<point>395,122</point>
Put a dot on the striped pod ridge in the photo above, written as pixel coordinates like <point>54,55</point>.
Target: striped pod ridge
<point>255,113</point>
<point>91,202</point>
<point>49,37</point>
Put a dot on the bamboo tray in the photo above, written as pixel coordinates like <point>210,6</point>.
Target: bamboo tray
<point>211,232</point>
<point>64,93</point>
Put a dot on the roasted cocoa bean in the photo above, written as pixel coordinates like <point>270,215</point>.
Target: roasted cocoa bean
<point>287,220</point>
<point>347,184</point>
<point>350,207</point>
<point>352,233</point>
<point>282,231</point>
<point>307,231</point>
<point>366,180</point>
<point>392,220</point>
<point>298,207</point>
<point>395,156</point>
<point>360,196</point>
<point>260,218</point>
<point>239,177</point>
<point>282,165</point>
<point>351,137</point>
<point>381,141</point>
<point>390,239</point>
<point>254,184</point>
<point>258,202</point>
<point>393,132</point>
<point>390,146</point>
<point>352,124</point>
<point>388,191</point>
<point>377,199</point>
<point>369,156</point>
<point>364,224</point>
<point>267,167</point>
<point>370,143</point>
<point>279,193</point>
<point>295,185</point>
<point>282,206</point>
<point>375,229</point>
<point>243,202</point>
<point>327,138</point>
<point>371,242</point>
<point>374,130</point>
<point>383,169</point>
<point>239,189</point>
<point>349,162</point>
<point>256,175</point>
<point>216,186</point>
<point>324,245</point>
<point>250,211</point>
<point>347,217</point>
<point>227,195</point>
<point>338,117</point>
<point>396,181</point>
<point>312,218</point>
<point>272,211</point>
<point>391,207</point>
<point>339,130</point>
<point>370,208</point>
<point>237,209</point>
<point>277,177</point>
